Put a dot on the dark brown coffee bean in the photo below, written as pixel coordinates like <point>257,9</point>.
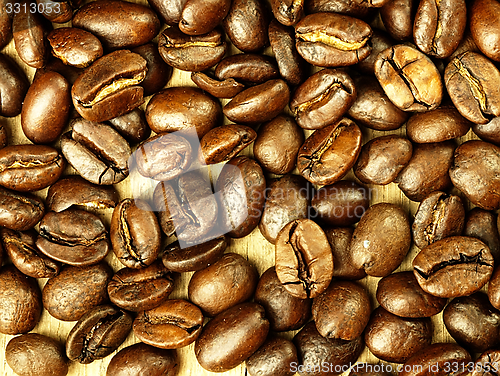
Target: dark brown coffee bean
<point>340,204</point>
<point>453,267</point>
<point>395,339</point>
<point>110,86</point>
<point>29,167</point>
<point>273,358</point>
<point>246,25</point>
<point>143,360</point>
<point>55,11</point>
<point>231,337</point>
<point>304,262</point>
<point>13,87</point>
<point>202,16</point>
<point>400,294</point>
<point>350,8</point>
<point>287,199</point>
<point>46,108</point>
<point>427,170</point>
<point>132,126</point>
<point>382,159</point>
<point>24,254</point>
<point>284,311</point>
<point>277,144</point>
<point>323,99</point>
<point>75,46</point>
<point>340,241</point>
<point>240,191</point>
<point>373,109</point>
<point>473,322</point>
<point>342,311</point>
<point>398,70</point>
<point>379,41</point>
<point>494,289</point>
<point>314,350</point>
<point>332,40</point>
<point>227,88</point>
<point>482,224</point>
<point>248,68</point>
<point>193,53</point>
<point>472,83</point>
<point>328,154</point>
<point>118,24</point>
<point>168,11</point>
<point>20,301</point>
<point>381,240</point>
<point>439,27</point>
<point>35,354</point>
<point>438,216</point>
<point>488,132</point>
<point>19,212</point>
<point>488,364</point>
<point>213,288</point>
<point>398,17</point>
<point>76,290</point>
<point>485,27</point>
<point>288,12</point>
<point>175,323</point>
<point>97,334</point>
<point>159,72</point>
<point>183,109</point>
<point>194,258</point>
<point>474,173</point>
<point>5,24</point>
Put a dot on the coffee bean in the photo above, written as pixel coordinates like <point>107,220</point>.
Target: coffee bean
<point>288,12</point>
<point>482,224</point>
<point>75,47</point>
<point>159,72</point>
<point>247,68</point>
<point>340,241</point>
<point>132,126</point>
<point>19,212</point>
<point>202,16</point>
<point>273,358</point>
<point>227,88</point>
<point>486,364</point>
<point>397,17</point>
<point>485,27</point>
<point>13,87</point>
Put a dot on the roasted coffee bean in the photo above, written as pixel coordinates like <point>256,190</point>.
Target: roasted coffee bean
<point>381,240</point>
<point>35,354</point>
<point>194,258</point>
<point>27,167</point>
<point>472,83</point>
<point>248,68</point>
<point>46,108</point>
<point>277,144</point>
<point>75,46</point>
<point>453,267</point>
<point>350,8</point>
<point>328,39</point>
<point>400,294</point>
<point>132,126</point>
<point>246,25</point>
<point>398,70</point>
<point>273,358</point>
<point>187,207</point>
<point>193,53</point>
<point>223,143</point>
<point>76,290</point>
<point>213,289</point>
<point>489,131</point>
<point>54,10</point>
<point>159,72</point>
<point>284,311</point>
<point>20,301</point>
<point>290,63</point>
<point>329,153</point>
<point>24,254</point>
<point>487,364</point>
<point>340,241</point>
<point>379,41</point>
<point>175,323</point>
<point>323,99</point>
<point>494,288</point>
<point>28,31</point>
<point>395,339</point>
<point>231,337</point>
<point>341,204</point>
<point>110,87</point>
<point>183,109</point>
<point>427,170</point>
<point>439,27</point>
<point>443,123</point>
<point>439,356</point>
<point>5,25</point>
<point>482,224</point>
<point>397,17</point>
<point>382,159</point>
<point>288,12</point>
<point>438,216</point>
<point>143,360</point>
<point>373,109</point>
<point>342,311</point>
<point>474,173</point>
<point>97,334</point>
<point>485,27</point>
<point>19,212</point>
<point>227,88</point>
<point>163,157</point>
<point>473,322</point>
<point>240,191</point>
<point>169,11</point>
<point>118,24</point>
<point>304,262</point>
<point>202,16</point>
<point>314,349</point>
<point>287,199</point>
<point>13,87</point>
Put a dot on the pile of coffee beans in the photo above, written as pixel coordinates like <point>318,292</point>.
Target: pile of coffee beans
<point>249,187</point>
